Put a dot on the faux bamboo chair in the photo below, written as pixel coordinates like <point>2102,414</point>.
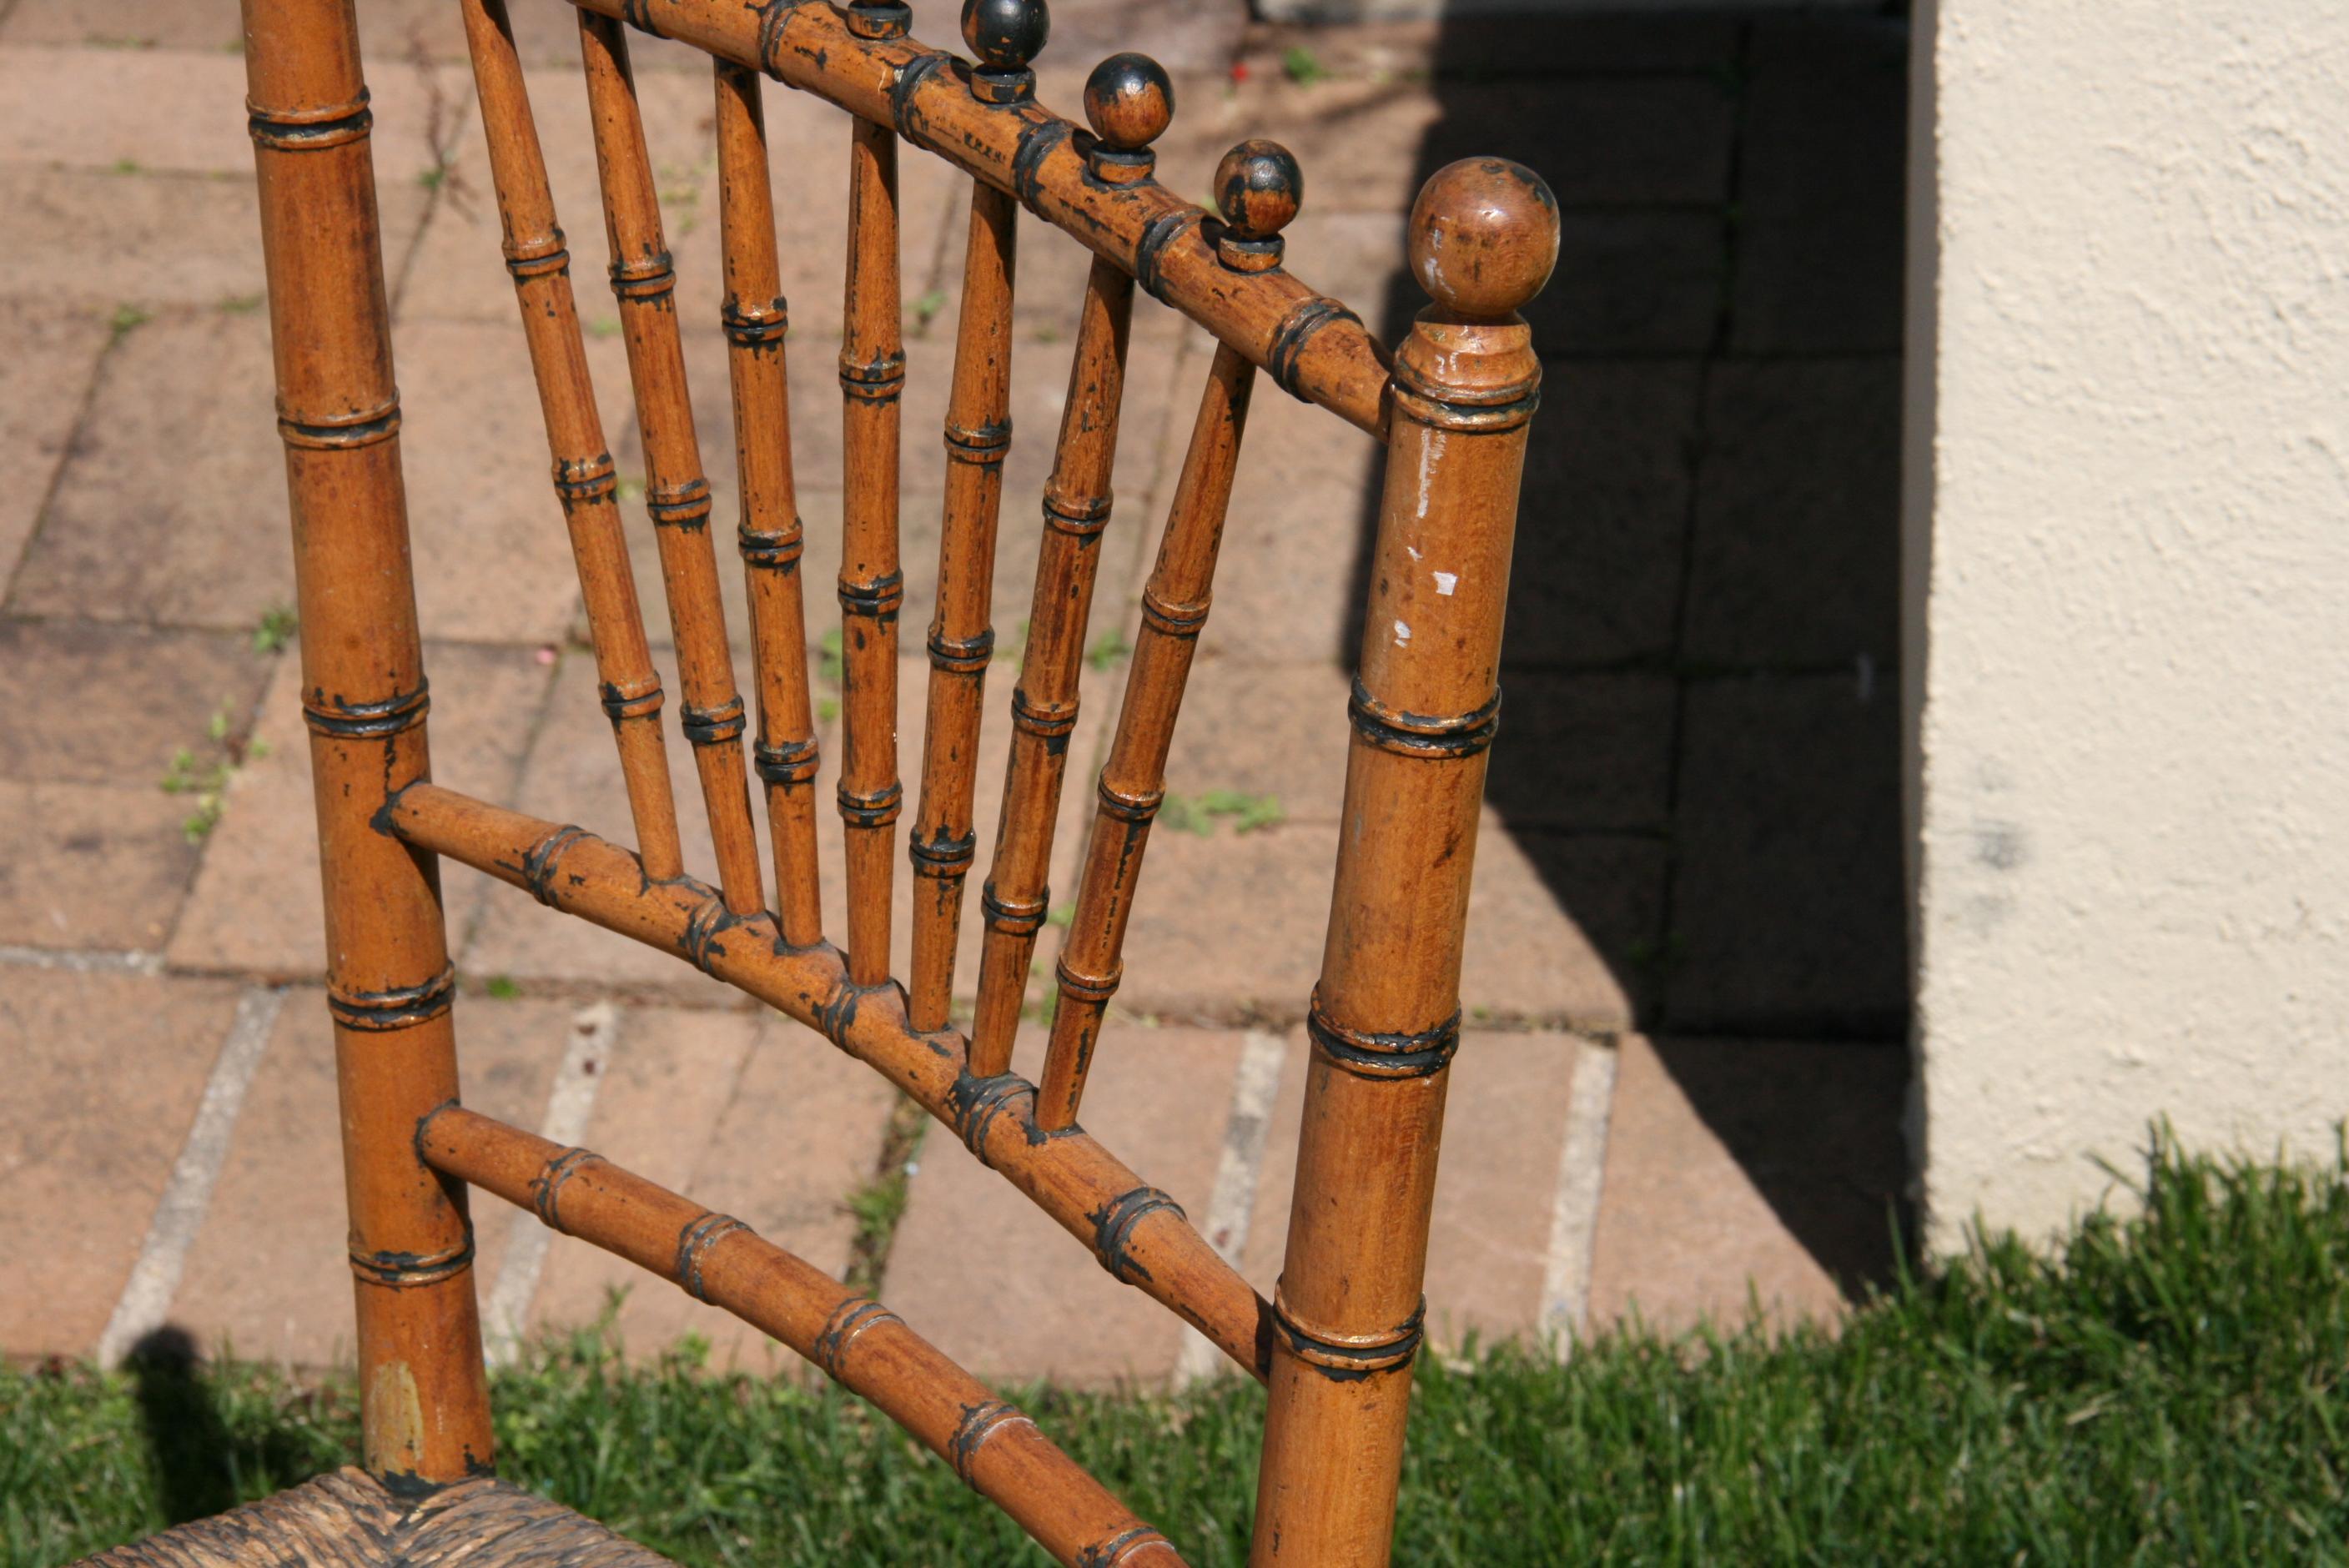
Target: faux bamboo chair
<point>1336,1344</point>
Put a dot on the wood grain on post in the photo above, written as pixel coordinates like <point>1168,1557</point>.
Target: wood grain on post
<point>585,480</point>
<point>872,584</point>
<point>677,492</point>
<point>1006,34</point>
<point>757,320</point>
<point>1385,1018</point>
<point>424,1400</point>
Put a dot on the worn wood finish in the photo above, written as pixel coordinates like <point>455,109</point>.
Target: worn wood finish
<point>388,982</point>
<point>1312,346</point>
<point>757,320</point>
<point>1077,503</point>
<point>349,1519</point>
<point>1005,36</point>
<point>998,1449</point>
<point>1336,1342</point>
<point>1385,1018</point>
<point>677,492</point>
<point>872,585</point>
<point>1133,782</point>
<point>1136,1232</point>
<point>585,480</point>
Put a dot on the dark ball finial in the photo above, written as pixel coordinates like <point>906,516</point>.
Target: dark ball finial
<point>1258,186</point>
<point>1006,34</point>
<point>1129,101</point>
<point>1484,236</point>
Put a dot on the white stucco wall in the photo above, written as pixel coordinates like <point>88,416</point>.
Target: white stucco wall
<point>2128,536</point>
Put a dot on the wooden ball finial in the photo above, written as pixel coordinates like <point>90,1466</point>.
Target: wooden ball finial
<point>1259,187</point>
<point>1484,236</point>
<point>1129,101</point>
<point>1006,34</point>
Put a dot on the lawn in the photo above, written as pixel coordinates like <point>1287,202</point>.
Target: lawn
<point>2168,1388</point>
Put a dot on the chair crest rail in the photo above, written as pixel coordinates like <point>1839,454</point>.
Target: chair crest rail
<point>1310,344</point>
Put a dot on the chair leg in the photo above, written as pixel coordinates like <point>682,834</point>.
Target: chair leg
<point>425,1402</point>
<point>1385,1018</point>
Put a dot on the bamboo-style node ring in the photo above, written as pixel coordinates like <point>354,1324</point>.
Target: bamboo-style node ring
<point>1006,35</point>
<point>1129,102</point>
<point>1484,236</point>
<point>1259,189</point>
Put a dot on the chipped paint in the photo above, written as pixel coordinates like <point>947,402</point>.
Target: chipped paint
<point>1403,635</point>
<point>1446,581</point>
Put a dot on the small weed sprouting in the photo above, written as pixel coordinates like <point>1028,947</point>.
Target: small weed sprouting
<point>1109,650</point>
<point>925,309</point>
<point>603,326</point>
<point>432,178</point>
<point>827,708</point>
<point>274,629</point>
<point>1298,66</point>
<point>1189,814</point>
<point>832,659</point>
<point>501,986</point>
<point>1060,914</point>
<point>126,319</point>
<point>631,486</point>
<point>241,305</point>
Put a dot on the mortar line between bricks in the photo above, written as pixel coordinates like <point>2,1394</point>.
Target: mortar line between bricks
<point>570,1106</point>
<point>1714,353</point>
<point>1232,1204</point>
<point>154,1280</point>
<point>1574,1209</point>
<point>83,960</point>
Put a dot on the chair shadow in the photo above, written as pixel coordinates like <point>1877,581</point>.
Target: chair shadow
<point>1700,751</point>
<point>201,1466</point>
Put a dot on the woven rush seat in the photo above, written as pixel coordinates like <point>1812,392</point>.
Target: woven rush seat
<point>350,1519</point>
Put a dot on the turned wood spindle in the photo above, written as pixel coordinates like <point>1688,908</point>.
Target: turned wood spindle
<point>1077,500</point>
<point>1385,1018</point>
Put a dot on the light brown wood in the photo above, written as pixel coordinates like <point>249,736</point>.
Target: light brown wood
<point>677,493</point>
<point>998,1450</point>
<point>1077,503</point>
<point>872,585</point>
<point>424,1402</point>
<point>1136,1231</point>
<point>1133,782</point>
<point>757,320</point>
<point>585,480</point>
<point>1385,1018</point>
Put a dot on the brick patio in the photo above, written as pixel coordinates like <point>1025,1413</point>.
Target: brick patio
<point>1686,974</point>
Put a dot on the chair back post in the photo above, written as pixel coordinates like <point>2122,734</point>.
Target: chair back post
<point>1385,1018</point>
<point>426,1401</point>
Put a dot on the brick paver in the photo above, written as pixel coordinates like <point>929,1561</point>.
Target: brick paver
<point>1692,820</point>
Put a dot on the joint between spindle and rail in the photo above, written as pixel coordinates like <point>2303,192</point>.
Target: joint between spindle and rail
<point>1150,249</point>
<point>693,1245</point>
<point>582,481</point>
<point>392,716</point>
<point>976,1102</point>
<point>792,762</point>
<point>401,1007</point>
<point>406,1271</point>
<point>339,433</point>
<point>706,928</point>
<point>714,726</point>
<point>979,1423</point>
<point>683,505</point>
<point>1382,1055</point>
<point>910,77</point>
<point>1113,1226</point>
<point>1422,735</point>
<point>644,279</point>
<point>1345,1357</point>
<point>1036,143</point>
<point>309,129</point>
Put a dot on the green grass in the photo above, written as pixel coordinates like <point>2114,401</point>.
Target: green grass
<point>2168,1389</point>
